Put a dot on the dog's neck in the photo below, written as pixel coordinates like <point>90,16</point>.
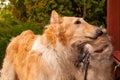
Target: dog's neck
<point>58,58</point>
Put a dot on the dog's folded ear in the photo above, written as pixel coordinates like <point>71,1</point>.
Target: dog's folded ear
<point>54,17</point>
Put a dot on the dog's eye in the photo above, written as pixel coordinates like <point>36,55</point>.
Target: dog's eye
<point>77,22</point>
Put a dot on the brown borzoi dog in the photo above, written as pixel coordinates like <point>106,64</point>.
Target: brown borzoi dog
<point>69,49</point>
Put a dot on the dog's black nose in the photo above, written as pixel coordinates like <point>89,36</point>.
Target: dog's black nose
<point>98,32</point>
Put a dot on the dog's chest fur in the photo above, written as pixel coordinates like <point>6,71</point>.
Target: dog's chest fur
<point>56,59</point>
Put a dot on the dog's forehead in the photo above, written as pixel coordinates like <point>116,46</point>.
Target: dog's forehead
<point>72,19</point>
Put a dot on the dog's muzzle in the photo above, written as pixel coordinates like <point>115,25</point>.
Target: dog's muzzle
<point>98,33</point>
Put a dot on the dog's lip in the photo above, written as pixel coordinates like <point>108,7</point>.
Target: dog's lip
<point>101,49</point>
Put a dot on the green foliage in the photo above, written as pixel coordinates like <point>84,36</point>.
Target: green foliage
<point>94,11</point>
<point>21,15</point>
<point>6,13</point>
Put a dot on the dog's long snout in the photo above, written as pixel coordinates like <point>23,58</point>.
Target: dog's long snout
<point>99,32</point>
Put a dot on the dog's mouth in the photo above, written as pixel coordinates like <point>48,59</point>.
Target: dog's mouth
<point>100,49</point>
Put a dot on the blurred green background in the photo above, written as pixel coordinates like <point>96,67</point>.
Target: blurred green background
<point>20,15</point>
